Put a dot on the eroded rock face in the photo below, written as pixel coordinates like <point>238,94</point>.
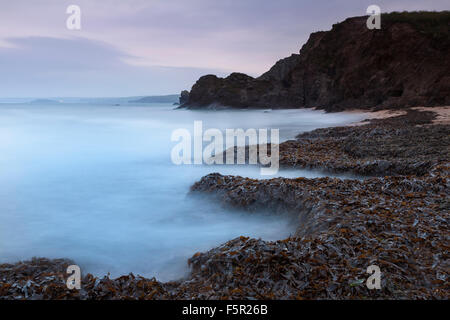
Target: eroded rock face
<point>403,64</point>
<point>237,90</point>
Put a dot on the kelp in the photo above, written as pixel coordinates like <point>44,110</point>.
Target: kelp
<point>398,220</point>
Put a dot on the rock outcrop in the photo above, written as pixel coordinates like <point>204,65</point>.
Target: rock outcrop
<point>405,63</point>
<point>184,97</point>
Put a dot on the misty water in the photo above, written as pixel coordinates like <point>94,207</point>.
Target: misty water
<point>95,183</point>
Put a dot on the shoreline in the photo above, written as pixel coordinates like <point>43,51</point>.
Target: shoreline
<point>442,114</point>
<point>332,224</point>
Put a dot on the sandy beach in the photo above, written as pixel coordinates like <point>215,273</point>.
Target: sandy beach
<point>442,114</point>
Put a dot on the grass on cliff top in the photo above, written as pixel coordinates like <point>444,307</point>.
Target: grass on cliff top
<point>434,24</point>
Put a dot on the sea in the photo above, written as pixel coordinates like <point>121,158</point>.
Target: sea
<point>94,182</point>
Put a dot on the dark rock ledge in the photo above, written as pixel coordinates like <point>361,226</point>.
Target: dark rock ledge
<point>399,222</point>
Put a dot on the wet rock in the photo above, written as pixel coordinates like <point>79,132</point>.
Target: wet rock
<point>184,97</point>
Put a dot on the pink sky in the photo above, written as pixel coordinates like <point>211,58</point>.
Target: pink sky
<point>139,47</point>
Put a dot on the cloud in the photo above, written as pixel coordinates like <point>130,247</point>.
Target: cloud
<point>44,66</point>
<point>75,53</point>
<point>190,36</point>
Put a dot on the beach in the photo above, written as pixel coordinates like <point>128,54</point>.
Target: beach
<point>395,218</point>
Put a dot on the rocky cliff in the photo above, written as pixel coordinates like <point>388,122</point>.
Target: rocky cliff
<point>405,63</point>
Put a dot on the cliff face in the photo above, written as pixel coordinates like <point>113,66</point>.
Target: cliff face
<point>405,63</point>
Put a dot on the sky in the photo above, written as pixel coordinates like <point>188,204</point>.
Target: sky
<point>152,47</point>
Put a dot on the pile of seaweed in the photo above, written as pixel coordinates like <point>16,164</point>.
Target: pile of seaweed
<point>45,279</point>
<point>398,221</point>
<point>401,145</point>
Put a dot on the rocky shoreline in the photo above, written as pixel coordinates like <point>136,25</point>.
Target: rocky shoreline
<point>396,218</point>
